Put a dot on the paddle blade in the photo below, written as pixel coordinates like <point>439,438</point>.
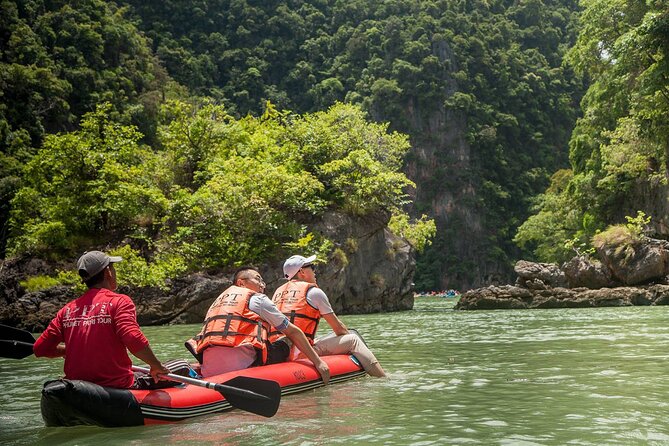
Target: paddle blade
<point>15,349</point>
<point>267,402</point>
<point>15,334</point>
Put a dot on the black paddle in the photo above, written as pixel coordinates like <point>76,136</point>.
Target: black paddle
<point>259,396</point>
<point>15,343</point>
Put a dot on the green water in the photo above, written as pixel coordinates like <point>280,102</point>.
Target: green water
<point>527,377</point>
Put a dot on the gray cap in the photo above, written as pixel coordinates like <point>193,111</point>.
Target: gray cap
<point>92,262</point>
<point>293,265</point>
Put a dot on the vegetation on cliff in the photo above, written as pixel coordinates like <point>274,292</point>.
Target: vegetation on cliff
<point>479,87</point>
<point>618,150</point>
<point>214,191</point>
<point>59,60</point>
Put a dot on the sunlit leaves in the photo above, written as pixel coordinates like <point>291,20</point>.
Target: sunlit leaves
<point>217,191</point>
<point>85,183</point>
<point>419,232</point>
<point>363,184</point>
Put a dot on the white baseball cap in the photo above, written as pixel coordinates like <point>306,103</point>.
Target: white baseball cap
<point>294,263</point>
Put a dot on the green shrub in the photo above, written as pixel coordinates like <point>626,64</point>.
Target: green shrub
<point>419,233</point>
<point>377,280</point>
<point>340,258</point>
<point>312,244</point>
<point>391,254</point>
<point>39,283</point>
<point>623,236</point>
<point>135,270</point>
<point>67,278</point>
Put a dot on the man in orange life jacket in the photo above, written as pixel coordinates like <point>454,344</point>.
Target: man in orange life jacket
<point>236,329</point>
<point>304,303</point>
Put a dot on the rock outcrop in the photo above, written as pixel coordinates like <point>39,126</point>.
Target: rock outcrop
<point>512,297</point>
<point>581,272</point>
<point>637,263</point>
<point>635,275</point>
<point>539,276</point>
<point>374,270</point>
<point>371,271</point>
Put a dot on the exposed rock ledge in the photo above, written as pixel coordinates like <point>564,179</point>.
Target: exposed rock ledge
<point>513,297</point>
<point>372,273</point>
<point>636,275</point>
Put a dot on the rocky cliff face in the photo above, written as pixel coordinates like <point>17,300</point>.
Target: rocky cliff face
<point>652,199</point>
<point>371,272</point>
<point>377,271</point>
<point>440,163</point>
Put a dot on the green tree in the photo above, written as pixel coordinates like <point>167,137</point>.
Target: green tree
<point>59,60</point>
<point>88,186</point>
<point>259,181</point>
<point>619,147</point>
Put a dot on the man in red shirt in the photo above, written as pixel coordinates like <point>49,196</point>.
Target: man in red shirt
<point>97,329</point>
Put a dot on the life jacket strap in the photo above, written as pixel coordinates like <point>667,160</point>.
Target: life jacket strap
<point>292,315</point>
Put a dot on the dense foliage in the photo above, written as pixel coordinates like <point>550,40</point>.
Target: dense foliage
<point>489,72</point>
<point>58,61</point>
<point>479,87</point>
<point>618,150</point>
<point>217,191</point>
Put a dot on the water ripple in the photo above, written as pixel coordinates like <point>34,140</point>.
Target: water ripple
<point>531,377</point>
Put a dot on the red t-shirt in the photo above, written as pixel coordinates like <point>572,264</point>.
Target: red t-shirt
<point>96,328</point>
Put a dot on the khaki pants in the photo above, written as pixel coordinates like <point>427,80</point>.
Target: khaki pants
<point>343,345</point>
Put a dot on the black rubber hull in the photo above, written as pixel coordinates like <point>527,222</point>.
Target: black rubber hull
<point>72,402</point>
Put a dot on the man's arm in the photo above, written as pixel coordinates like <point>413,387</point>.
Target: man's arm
<point>157,369</point>
<point>53,352</point>
<point>300,340</point>
<point>127,328</point>
<point>317,298</point>
<point>50,344</point>
<point>337,326</point>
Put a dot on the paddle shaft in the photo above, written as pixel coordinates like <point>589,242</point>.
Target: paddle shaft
<point>222,388</point>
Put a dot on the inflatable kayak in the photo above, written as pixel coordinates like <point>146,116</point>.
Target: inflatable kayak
<point>72,402</point>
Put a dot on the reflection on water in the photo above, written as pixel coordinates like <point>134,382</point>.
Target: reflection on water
<point>525,377</point>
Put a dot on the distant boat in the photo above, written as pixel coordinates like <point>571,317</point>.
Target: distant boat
<point>449,294</point>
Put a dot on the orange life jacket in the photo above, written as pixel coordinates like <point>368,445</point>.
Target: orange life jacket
<point>229,323</point>
<point>291,299</point>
